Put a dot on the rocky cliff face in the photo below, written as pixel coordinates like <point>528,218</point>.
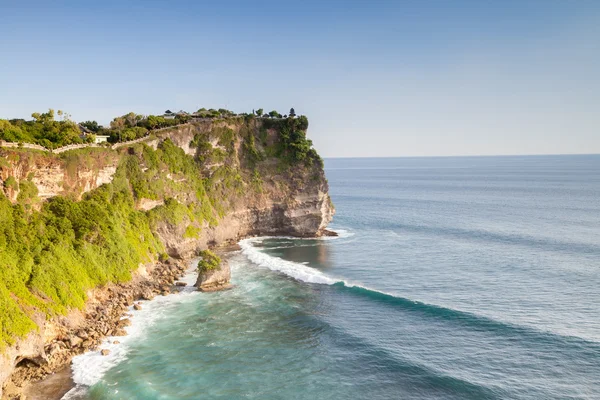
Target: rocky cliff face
<point>254,182</point>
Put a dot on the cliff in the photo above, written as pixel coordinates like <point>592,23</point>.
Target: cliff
<point>76,223</point>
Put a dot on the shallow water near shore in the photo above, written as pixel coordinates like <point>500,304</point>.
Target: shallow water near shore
<point>452,278</point>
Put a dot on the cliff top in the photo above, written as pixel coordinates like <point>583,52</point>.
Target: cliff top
<point>45,132</point>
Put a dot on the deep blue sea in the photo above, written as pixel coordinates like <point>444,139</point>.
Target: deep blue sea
<point>452,278</point>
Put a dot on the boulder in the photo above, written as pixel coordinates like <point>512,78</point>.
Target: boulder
<point>119,332</point>
<point>214,280</point>
<point>75,341</point>
<point>147,294</point>
<point>137,307</point>
<point>124,322</point>
<point>105,352</point>
<point>82,334</point>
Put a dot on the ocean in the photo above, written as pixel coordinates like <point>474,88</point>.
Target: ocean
<point>451,278</point>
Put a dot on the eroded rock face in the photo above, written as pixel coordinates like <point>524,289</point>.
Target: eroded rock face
<point>214,280</point>
<point>295,202</point>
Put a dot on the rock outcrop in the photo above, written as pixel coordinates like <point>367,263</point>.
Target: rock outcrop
<point>214,280</point>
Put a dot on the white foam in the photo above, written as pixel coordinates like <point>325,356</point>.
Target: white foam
<point>78,392</point>
<point>89,368</point>
<point>298,271</point>
<point>295,270</point>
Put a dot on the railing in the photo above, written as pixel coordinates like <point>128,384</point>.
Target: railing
<point>86,145</point>
<point>73,147</point>
<point>77,146</point>
<point>22,145</point>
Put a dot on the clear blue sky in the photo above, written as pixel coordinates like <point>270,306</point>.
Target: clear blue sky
<point>375,78</point>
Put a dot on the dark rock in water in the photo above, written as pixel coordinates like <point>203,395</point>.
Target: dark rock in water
<point>327,232</point>
<point>137,307</point>
<point>180,284</point>
<point>214,280</point>
<point>105,352</point>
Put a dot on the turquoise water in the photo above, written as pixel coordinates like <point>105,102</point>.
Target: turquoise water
<point>453,278</point>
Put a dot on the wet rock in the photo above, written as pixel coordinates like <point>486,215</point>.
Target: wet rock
<point>116,342</point>
<point>137,307</point>
<point>124,322</point>
<point>180,284</point>
<point>105,352</point>
<point>119,332</point>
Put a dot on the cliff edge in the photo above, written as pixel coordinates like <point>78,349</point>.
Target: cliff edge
<point>81,224</point>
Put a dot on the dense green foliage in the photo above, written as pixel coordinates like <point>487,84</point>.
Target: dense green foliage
<point>294,146</point>
<point>92,126</point>
<point>209,262</point>
<point>50,257</point>
<point>50,133</point>
<point>43,130</point>
<point>51,253</point>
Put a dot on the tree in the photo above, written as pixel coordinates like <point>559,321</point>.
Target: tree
<point>259,112</point>
<point>226,113</point>
<point>274,114</point>
<point>302,123</point>
<point>44,117</point>
<point>91,125</point>
<point>292,112</point>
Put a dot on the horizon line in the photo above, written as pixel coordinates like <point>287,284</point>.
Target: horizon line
<point>471,155</point>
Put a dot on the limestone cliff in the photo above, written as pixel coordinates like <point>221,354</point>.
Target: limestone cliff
<point>194,186</point>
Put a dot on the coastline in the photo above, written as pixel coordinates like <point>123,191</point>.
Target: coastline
<point>55,379</point>
<point>257,197</point>
<point>106,314</point>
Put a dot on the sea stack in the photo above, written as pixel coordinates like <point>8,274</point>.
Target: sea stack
<point>214,274</point>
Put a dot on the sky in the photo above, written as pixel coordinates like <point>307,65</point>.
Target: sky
<point>375,78</point>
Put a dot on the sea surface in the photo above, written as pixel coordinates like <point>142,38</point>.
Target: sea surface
<point>452,278</point>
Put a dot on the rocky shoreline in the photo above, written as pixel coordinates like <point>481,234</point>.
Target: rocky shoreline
<point>250,197</point>
<point>106,314</point>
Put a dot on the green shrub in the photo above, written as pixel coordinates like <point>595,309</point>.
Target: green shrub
<point>50,257</point>
<point>192,232</point>
<point>210,261</point>
<point>11,183</point>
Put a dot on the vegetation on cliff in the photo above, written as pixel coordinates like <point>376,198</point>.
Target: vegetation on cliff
<point>44,130</point>
<point>210,261</point>
<point>52,252</point>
